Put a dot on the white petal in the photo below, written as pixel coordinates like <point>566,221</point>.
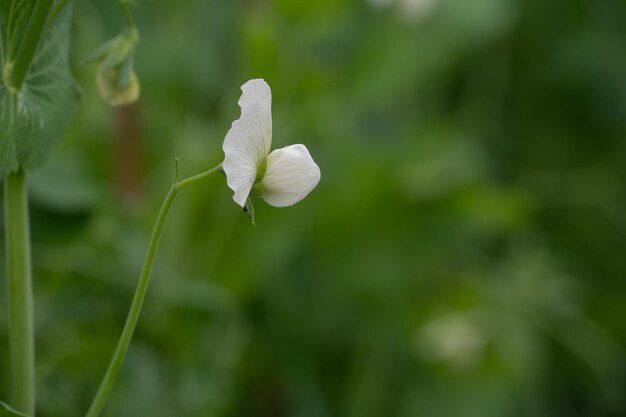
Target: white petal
<point>290,175</point>
<point>257,91</point>
<point>245,149</point>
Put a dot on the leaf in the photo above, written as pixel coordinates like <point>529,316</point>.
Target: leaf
<point>14,15</point>
<point>35,117</point>
<point>64,184</point>
<point>7,411</point>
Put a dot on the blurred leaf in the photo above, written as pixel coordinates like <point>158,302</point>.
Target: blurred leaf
<point>36,116</point>
<point>64,184</point>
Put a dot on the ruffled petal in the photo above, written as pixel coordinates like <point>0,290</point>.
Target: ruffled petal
<point>245,149</point>
<point>290,176</point>
<point>256,91</point>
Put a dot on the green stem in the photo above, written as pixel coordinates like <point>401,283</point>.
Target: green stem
<point>21,328</point>
<point>135,309</point>
<point>29,43</point>
<point>189,180</point>
<point>127,15</point>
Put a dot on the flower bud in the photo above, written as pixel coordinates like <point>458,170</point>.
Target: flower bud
<point>116,78</point>
<point>107,80</point>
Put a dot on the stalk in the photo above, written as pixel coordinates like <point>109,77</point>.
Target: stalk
<point>17,230</point>
<point>133,315</point>
<point>21,328</point>
<point>140,292</point>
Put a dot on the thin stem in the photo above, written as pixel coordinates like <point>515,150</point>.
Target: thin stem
<point>135,309</point>
<point>27,48</point>
<point>191,179</point>
<point>127,15</point>
<point>21,328</point>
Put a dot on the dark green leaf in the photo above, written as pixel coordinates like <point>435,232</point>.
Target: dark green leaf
<point>14,15</point>
<point>35,117</point>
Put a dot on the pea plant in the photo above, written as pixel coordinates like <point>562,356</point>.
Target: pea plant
<point>38,95</point>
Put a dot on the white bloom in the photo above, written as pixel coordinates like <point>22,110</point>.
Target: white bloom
<point>282,177</point>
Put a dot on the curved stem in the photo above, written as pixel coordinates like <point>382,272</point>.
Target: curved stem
<point>21,328</point>
<point>135,309</point>
<point>193,178</point>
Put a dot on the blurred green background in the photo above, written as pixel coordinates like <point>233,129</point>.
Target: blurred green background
<point>463,254</point>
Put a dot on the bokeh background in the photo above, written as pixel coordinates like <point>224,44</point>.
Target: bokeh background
<point>464,254</point>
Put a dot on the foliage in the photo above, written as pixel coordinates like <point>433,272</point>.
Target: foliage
<point>461,256</point>
<point>34,118</point>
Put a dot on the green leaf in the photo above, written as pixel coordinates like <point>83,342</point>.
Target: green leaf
<point>7,411</point>
<point>64,184</point>
<point>35,117</point>
<point>14,15</point>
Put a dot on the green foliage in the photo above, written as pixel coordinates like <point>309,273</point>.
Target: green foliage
<point>462,256</point>
<point>35,117</point>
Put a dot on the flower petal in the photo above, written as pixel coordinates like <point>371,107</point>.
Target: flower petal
<point>290,175</point>
<point>256,91</point>
<point>245,149</point>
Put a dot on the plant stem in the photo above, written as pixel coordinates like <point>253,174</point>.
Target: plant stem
<point>129,17</point>
<point>27,47</point>
<point>21,328</point>
<point>191,179</point>
<point>135,309</point>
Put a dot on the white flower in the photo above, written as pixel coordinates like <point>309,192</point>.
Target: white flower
<point>282,177</point>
